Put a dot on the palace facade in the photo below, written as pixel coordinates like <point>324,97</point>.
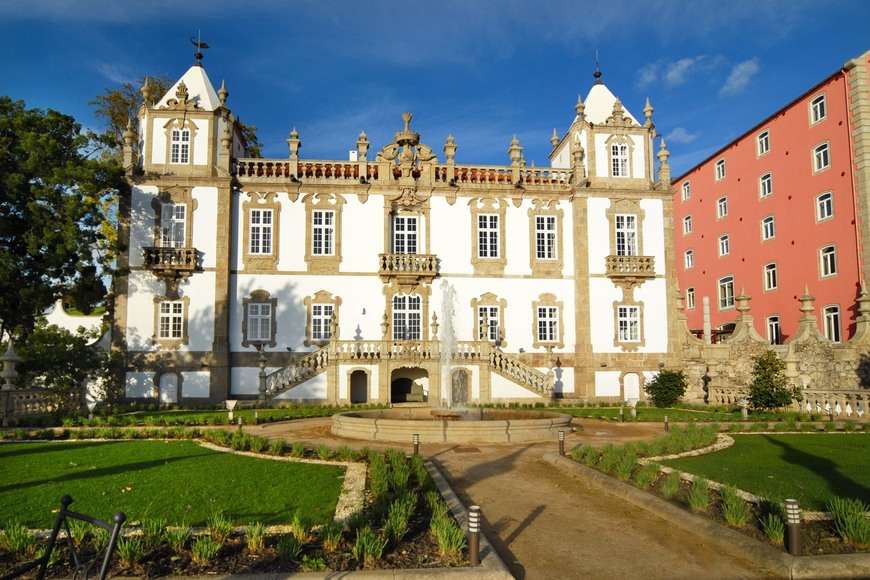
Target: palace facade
<point>393,276</point>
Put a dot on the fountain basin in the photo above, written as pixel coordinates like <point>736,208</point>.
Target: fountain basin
<point>450,425</point>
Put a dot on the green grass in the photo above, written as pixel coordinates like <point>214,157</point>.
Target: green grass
<point>811,468</point>
<point>178,481</point>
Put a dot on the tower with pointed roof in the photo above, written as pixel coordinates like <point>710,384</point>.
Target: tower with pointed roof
<point>392,277</point>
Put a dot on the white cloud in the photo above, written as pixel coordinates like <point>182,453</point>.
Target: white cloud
<point>741,74</point>
<point>115,73</point>
<point>676,72</point>
<point>647,75</point>
<point>680,135</point>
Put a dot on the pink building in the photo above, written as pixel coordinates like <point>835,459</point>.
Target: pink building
<point>780,211</point>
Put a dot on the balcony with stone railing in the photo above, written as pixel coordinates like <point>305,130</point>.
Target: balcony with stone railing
<point>630,268</point>
<point>408,269</point>
<point>169,261</point>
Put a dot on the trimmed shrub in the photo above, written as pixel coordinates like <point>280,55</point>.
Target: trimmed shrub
<point>666,388</point>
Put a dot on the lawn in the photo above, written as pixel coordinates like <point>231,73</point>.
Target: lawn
<point>812,468</point>
<point>178,481</point>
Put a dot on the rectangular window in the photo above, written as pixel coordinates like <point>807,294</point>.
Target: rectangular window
<point>406,317</point>
<point>321,318</point>
<point>724,245</point>
<point>770,277</point>
<point>405,235</point>
<point>259,321</point>
<point>173,225</point>
<point>687,192</point>
<point>726,292</point>
<point>690,298</point>
<point>171,320</point>
<point>628,320</point>
<point>491,314</point>
<point>765,185</point>
<point>180,146</point>
<point>818,109</point>
<point>832,323</point>
<point>487,236</point>
<point>774,334</point>
<point>689,259</point>
<point>687,225</point>
<point>821,157</point>
<point>626,235</point>
<point>545,237</point>
<point>722,207</point>
<point>828,261</point>
<point>261,231</point>
<point>720,169</point>
<point>548,323</point>
<point>323,233</point>
<point>824,206</point>
<point>763,143</point>
<point>619,160</point>
<point>768,228</point>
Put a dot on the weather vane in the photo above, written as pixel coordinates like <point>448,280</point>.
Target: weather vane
<point>197,42</point>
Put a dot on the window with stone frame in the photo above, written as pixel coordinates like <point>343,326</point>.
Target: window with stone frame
<point>762,143</point>
<point>824,206</point>
<point>259,317</point>
<point>407,317</point>
<point>261,212</point>
<point>490,308</point>
<point>626,234</point>
<point>831,317</point>
<point>170,322</point>
<point>828,261</point>
<point>619,160</point>
<point>179,146</point>
<point>323,232</point>
<point>724,245</point>
<point>821,157</point>
<point>546,238</point>
<point>173,225</point>
<point>321,309</point>
<point>722,207</point>
<point>768,228</point>
<point>720,169</point>
<point>818,109</point>
<point>488,254</point>
<point>774,332</point>
<point>687,190</point>
<point>726,292</point>
<point>687,225</point>
<point>690,298</point>
<point>180,135</point>
<point>688,260</point>
<point>771,278</point>
<point>548,316</point>
<point>765,185</point>
<point>628,323</point>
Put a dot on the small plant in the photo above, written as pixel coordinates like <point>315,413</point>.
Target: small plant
<point>849,426</point>
<point>671,484</point>
<point>356,521</point>
<point>400,476</point>
<point>399,515</point>
<point>646,475</point>
<point>289,547</point>
<point>130,550</point>
<point>276,447</point>
<point>735,510</point>
<point>451,538</point>
<point>258,444</point>
<point>176,537</point>
<point>19,540</point>
<point>345,453</point>
<point>313,564</point>
<point>301,525</point>
<point>850,521</point>
<point>256,538</point>
<point>152,531</point>
<point>78,530</point>
<point>298,449</point>
<point>610,456</point>
<point>626,464</point>
<point>368,547</point>
<point>219,527</point>
<point>830,427</point>
<point>666,388</point>
<point>204,549</point>
<point>100,538</point>
<point>323,452</point>
<point>773,527</point>
<point>699,495</point>
<point>332,534</point>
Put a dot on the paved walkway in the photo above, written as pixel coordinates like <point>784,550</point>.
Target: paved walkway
<point>547,524</point>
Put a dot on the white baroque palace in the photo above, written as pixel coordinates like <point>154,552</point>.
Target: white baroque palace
<point>392,276</point>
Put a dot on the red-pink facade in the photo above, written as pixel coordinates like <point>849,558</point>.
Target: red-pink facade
<point>777,212</point>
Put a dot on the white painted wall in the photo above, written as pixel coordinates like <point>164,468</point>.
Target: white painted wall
<point>139,385</point>
<point>203,219</point>
<point>195,384</point>
<point>607,383</point>
<point>451,235</point>
<point>142,221</point>
<point>502,388</point>
<point>362,237</point>
<point>598,234</point>
<point>652,233</point>
<point>201,142</point>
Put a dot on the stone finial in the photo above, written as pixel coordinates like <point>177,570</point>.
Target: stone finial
<point>664,168</point>
<point>362,145</point>
<point>294,143</point>
<point>223,93</point>
<point>863,301</point>
<point>449,149</point>
<point>647,112</point>
<point>807,302</point>
<point>434,326</point>
<point>385,326</point>
<point>333,326</point>
<point>555,138</point>
<point>146,92</point>
<point>580,107</point>
<point>618,110</point>
<point>743,302</point>
<point>8,374</point>
<point>127,150</point>
<point>226,138</point>
<point>515,151</point>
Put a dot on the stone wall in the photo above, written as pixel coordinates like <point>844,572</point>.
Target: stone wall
<point>721,373</point>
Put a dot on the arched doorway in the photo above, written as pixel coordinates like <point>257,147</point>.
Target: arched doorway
<point>631,386</point>
<point>359,387</point>
<point>167,390</point>
<point>409,385</point>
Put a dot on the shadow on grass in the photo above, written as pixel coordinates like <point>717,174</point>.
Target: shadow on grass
<point>34,447</point>
<point>838,484</point>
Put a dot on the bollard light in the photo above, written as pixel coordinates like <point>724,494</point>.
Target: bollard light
<point>416,439</point>
<point>474,535</point>
<point>561,443</point>
<point>621,414</point>
<point>667,424</point>
<point>793,523</point>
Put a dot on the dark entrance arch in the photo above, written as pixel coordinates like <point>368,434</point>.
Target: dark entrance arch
<point>359,387</point>
<point>407,385</point>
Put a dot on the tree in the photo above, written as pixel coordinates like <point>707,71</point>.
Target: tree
<point>666,388</point>
<point>51,211</point>
<point>769,388</point>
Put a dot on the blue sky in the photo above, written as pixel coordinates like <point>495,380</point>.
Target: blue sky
<point>480,70</point>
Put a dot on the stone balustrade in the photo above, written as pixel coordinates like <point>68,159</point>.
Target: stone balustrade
<point>519,372</point>
<point>840,402</point>
<point>631,266</point>
<point>408,268</point>
<point>170,259</point>
<point>298,371</point>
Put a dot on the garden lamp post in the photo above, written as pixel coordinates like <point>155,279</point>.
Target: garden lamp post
<point>793,522</point>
